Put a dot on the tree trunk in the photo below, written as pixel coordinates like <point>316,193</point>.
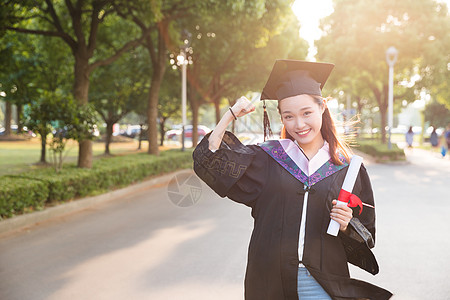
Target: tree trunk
<point>85,160</point>
<point>8,117</point>
<point>141,126</point>
<point>381,96</point>
<point>80,92</point>
<point>152,111</point>
<point>109,132</point>
<point>43,146</point>
<point>159,68</point>
<point>383,116</point>
<point>194,108</point>
<point>217,108</point>
<point>81,84</point>
<point>360,105</point>
<point>162,132</point>
<point>384,102</point>
<point>19,108</point>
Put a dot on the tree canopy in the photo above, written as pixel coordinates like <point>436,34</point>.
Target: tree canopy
<point>117,54</point>
<point>358,33</point>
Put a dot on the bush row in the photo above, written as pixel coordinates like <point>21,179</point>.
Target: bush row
<point>34,189</point>
<point>380,152</point>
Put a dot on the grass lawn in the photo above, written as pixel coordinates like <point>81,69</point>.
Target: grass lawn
<point>21,156</point>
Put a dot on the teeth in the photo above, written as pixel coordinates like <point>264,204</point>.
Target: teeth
<point>303,132</point>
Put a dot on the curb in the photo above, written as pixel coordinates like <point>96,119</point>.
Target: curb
<point>26,220</point>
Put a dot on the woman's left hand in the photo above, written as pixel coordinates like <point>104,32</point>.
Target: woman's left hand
<point>341,214</point>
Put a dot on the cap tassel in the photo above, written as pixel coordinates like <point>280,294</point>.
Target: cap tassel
<point>267,129</point>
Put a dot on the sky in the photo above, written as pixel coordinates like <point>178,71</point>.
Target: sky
<point>309,13</point>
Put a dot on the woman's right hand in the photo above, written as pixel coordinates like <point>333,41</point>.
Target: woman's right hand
<point>242,107</point>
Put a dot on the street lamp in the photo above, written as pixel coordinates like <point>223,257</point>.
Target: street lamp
<point>183,61</point>
<point>391,58</point>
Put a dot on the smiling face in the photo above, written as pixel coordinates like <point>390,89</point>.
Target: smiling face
<point>302,118</point>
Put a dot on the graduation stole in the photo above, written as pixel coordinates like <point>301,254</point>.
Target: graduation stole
<point>277,152</point>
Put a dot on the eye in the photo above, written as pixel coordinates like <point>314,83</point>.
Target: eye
<point>307,113</point>
<point>287,117</point>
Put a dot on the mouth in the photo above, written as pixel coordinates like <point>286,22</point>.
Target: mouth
<point>304,132</point>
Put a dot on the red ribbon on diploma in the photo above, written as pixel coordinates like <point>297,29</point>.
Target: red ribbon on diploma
<point>351,199</point>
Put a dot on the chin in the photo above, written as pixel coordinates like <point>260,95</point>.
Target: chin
<point>302,142</point>
<point>305,140</point>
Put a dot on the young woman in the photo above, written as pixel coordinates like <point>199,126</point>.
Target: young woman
<point>292,185</point>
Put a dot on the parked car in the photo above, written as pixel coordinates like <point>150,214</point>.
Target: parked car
<point>132,131</point>
<point>14,129</point>
<point>174,134</point>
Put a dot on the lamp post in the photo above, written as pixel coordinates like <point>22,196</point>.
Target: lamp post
<point>183,61</point>
<point>391,58</point>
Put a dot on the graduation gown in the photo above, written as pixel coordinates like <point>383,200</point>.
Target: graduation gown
<point>266,179</point>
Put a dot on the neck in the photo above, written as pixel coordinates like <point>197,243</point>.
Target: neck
<point>312,148</point>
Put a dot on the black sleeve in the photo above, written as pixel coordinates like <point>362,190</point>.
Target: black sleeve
<point>236,171</point>
<point>365,193</point>
<point>360,237</point>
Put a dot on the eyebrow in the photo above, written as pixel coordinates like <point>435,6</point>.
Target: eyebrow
<point>288,111</point>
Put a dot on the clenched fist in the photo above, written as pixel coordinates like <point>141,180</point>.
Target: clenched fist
<point>242,107</point>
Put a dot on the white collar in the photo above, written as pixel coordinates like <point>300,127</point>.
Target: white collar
<point>295,152</point>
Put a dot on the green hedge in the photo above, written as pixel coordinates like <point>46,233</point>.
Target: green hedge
<point>380,152</point>
<point>32,190</point>
<point>18,195</point>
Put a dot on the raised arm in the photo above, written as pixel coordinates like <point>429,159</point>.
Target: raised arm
<point>242,107</point>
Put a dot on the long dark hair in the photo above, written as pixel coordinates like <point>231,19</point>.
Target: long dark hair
<point>329,134</point>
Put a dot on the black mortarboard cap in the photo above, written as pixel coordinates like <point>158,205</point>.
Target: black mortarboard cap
<point>295,77</point>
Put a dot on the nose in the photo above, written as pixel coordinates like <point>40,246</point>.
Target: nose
<point>299,123</point>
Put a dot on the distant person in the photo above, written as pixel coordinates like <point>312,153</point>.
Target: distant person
<point>447,138</point>
<point>409,137</point>
<point>434,139</point>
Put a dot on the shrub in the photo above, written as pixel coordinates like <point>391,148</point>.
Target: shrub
<point>34,189</point>
<point>18,195</point>
<point>380,152</point>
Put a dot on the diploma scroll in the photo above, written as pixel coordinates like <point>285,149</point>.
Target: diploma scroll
<point>349,182</point>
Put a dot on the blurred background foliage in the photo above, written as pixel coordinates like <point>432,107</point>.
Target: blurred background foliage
<point>120,57</point>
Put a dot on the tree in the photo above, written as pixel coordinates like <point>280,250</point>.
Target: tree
<point>118,89</point>
<point>59,113</point>
<point>357,34</point>
<point>232,58</point>
<point>19,62</point>
<point>153,19</point>
<point>161,24</point>
<point>44,114</point>
<point>169,106</point>
<point>77,23</point>
<point>33,68</point>
<point>437,114</point>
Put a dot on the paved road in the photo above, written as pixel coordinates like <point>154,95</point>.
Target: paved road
<point>144,247</point>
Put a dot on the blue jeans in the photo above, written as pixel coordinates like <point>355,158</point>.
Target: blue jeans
<point>308,287</point>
